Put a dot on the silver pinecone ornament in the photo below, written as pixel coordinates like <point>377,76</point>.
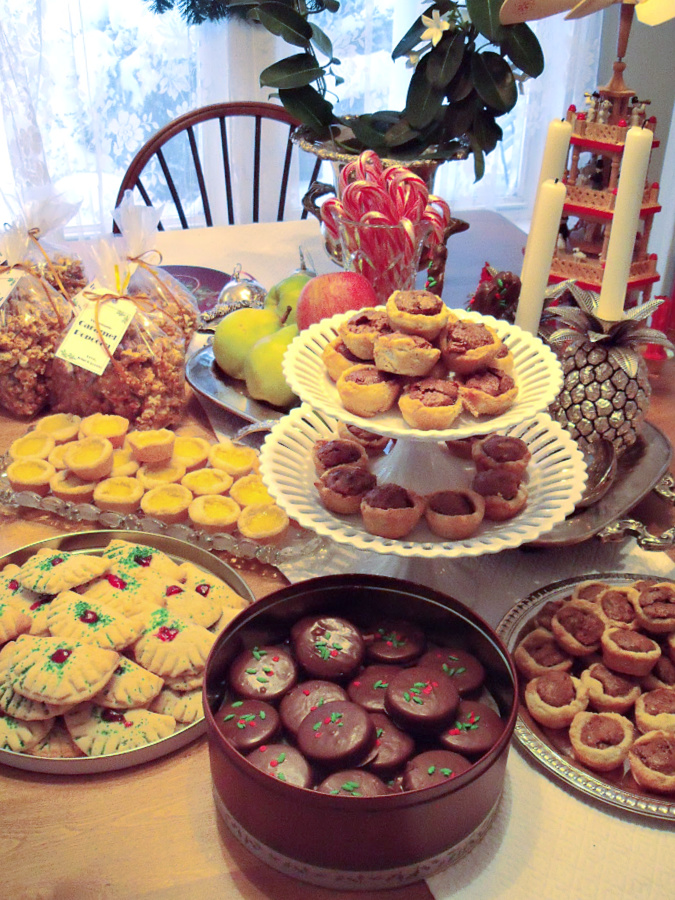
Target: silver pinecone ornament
<point>606,387</point>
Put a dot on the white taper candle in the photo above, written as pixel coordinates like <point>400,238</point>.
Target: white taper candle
<point>555,151</point>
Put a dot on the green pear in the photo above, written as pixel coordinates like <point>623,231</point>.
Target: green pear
<point>237,333</point>
<point>283,296</point>
<point>262,369</point>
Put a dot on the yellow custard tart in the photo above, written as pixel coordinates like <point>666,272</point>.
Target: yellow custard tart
<point>214,513</point>
<point>67,486</point>
<point>124,463</point>
<point>191,452</point>
<point>56,457</point>
<point>105,425</point>
<point>90,458</point>
<point>207,481</point>
<point>264,522</point>
<point>31,474</point>
<point>120,494</point>
<point>154,446</point>
<point>250,490</point>
<point>61,426</point>
<point>152,475</point>
<point>169,503</point>
<point>32,444</point>
<point>235,459</point>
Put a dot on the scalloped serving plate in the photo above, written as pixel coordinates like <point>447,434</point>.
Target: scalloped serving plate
<point>551,748</point>
<point>557,475</point>
<point>536,370</point>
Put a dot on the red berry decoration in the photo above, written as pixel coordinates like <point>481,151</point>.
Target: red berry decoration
<point>60,655</point>
<point>167,634</point>
<point>143,560</point>
<point>203,589</point>
<point>115,581</point>
<point>173,589</point>
<point>112,715</point>
<point>56,561</point>
<point>89,617</point>
<point>13,584</point>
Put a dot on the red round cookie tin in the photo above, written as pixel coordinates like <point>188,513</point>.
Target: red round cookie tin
<point>344,842</point>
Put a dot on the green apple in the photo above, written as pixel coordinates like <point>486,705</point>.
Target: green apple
<point>262,369</point>
<point>236,334</point>
<point>283,296</point>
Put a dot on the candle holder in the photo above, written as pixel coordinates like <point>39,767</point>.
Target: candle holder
<point>606,389</point>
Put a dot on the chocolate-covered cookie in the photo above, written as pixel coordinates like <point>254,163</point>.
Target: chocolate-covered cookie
<point>420,700</point>
<point>464,670</point>
<point>353,783</point>
<point>476,729</point>
<point>263,673</point>
<point>369,686</point>
<point>338,735</point>
<point>246,724</point>
<point>433,767</point>
<point>328,647</point>
<point>305,698</point>
<point>283,762</point>
<point>395,642</point>
<point>393,747</point>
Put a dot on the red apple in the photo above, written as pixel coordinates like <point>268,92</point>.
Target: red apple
<point>336,292</point>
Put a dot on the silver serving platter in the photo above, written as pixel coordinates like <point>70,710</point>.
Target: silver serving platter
<point>548,747</point>
<point>91,542</point>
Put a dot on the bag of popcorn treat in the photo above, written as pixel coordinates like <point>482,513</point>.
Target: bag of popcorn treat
<point>122,354</point>
<point>138,227</point>
<point>33,319</point>
<point>43,213</point>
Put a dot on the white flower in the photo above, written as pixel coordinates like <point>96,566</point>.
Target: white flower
<point>436,25</point>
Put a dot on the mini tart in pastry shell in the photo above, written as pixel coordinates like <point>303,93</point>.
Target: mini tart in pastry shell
<point>154,446</point>
<point>342,488</point>
<point>504,494</point>
<point>250,490</point>
<point>372,443</point>
<point>601,740</point>
<point>191,452</point>
<point>554,699</point>
<point>152,475</point>
<point>652,761</point>
<point>120,494</point>
<point>67,486</point>
<point>214,513</point>
<point>32,474</point>
<point>488,392</point>
<point>265,523</point>
<point>105,425</point>
<point>405,354</point>
<point>359,332</point>
<point>123,463</point>
<point>538,653</point>
<point>365,391</point>
<point>463,447</point>
<point>330,452</point>
<point>454,515</point>
<point>609,691</point>
<point>207,481</point>
<point>615,607</point>
<point>32,445</point>
<point>60,426</point>
<point>655,710</point>
<point>430,403</point>
<point>577,627</point>
<point>628,651</point>
<point>169,503</point>
<point>589,590</point>
<point>391,511</point>
<point>337,357</point>
<point>655,607</point>
<point>235,459</point>
<point>90,458</point>
<point>418,312</point>
<point>496,450</point>
<point>467,346</point>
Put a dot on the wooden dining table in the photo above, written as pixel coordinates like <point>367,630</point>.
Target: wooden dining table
<point>152,831</point>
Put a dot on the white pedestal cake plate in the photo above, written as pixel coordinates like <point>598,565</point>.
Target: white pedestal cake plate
<point>418,460</point>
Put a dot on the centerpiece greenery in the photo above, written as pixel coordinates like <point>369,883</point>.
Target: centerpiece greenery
<point>465,73</point>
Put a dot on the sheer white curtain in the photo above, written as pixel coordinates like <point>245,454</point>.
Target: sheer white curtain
<point>85,82</point>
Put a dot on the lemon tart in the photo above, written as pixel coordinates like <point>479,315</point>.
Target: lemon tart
<point>31,474</point>
<point>169,503</point>
<point>120,494</point>
<point>214,513</point>
<point>250,490</point>
<point>32,444</point>
<point>155,446</point>
<point>56,456</point>
<point>235,459</point>
<point>264,522</point>
<point>67,486</point>
<point>105,425</point>
<point>191,452</point>
<point>207,481</point>
<point>90,458</point>
<point>154,474</point>
<point>61,426</point>
<point>123,463</point>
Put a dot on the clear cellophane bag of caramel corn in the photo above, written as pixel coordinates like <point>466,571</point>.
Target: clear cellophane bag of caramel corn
<point>144,376</point>
<point>138,228</point>
<point>33,319</point>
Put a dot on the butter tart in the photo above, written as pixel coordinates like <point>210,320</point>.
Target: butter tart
<point>31,474</point>
<point>539,652</point>
<point>330,452</point>
<point>652,761</point>
<point>405,354</point>
<point>342,488</point>
<point>462,448</point>
<point>615,606</point>
<point>488,392</point>
<point>214,513</point>
<point>554,699</point>
<point>662,675</point>
<point>610,691</point>
<point>589,590</point>
<point>365,391</point>
<point>359,332</point>
<point>497,450</point>
<point>628,651</point>
<point>655,607</point>
<point>577,627</point>
<point>601,740</point>
<point>467,346</point>
<point>504,360</point>
<point>372,443</point>
<point>391,511</point>
<point>430,403</point>
<point>655,710</point>
<point>454,515</point>
<point>504,493</point>
<point>418,312</point>
<point>337,357</point>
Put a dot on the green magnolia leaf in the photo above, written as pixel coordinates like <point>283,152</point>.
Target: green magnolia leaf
<point>486,131</point>
<point>461,85</point>
<point>400,133</point>
<point>322,42</point>
<point>521,46</point>
<point>285,22</point>
<point>292,72</point>
<point>478,160</point>
<point>424,101</point>
<point>307,105</point>
<point>445,59</point>
<point>365,133</point>
<point>458,117</point>
<point>484,15</point>
<point>331,5</point>
<point>494,81</point>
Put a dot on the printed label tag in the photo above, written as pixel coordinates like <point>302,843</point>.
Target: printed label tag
<point>7,282</point>
<point>82,345</point>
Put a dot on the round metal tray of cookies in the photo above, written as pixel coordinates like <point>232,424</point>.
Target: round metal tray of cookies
<point>551,748</point>
<point>91,542</point>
